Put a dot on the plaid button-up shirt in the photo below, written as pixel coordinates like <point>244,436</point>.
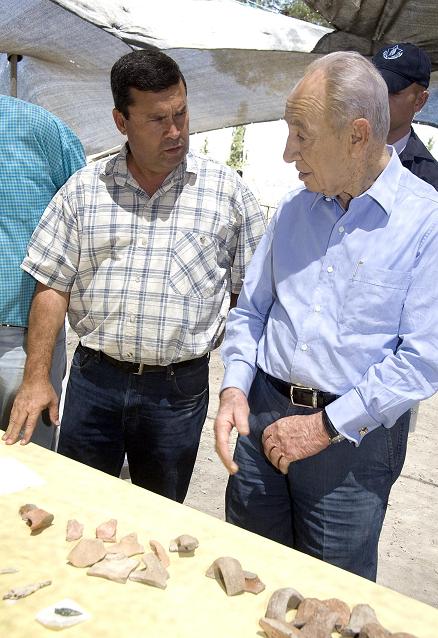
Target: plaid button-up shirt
<point>149,277</point>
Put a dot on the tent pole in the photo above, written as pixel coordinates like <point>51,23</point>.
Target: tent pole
<point>13,60</point>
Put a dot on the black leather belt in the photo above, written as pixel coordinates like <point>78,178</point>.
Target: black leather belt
<point>140,368</point>
<point>306,397</point>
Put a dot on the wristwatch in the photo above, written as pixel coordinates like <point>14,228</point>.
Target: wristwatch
<point>332,432</point>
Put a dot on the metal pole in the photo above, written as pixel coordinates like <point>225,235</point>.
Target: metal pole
<point>13,60</point>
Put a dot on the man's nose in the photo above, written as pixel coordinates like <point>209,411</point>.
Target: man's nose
<point>173,131</point>
<point>292,149</point>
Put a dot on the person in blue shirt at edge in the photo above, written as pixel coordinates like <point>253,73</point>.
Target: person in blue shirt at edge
<point>334,335</point>
<point>38,153</point>
<point>406,71</point>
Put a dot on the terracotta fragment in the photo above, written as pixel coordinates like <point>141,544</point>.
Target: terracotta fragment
<point>128,545</point>
<point>35,517</point>
<point>107,531</point>
<point>184,544</point>
<point>228,573</point>
<point>87,552</point>
<point>321,625</point>
<point>307,610</point>
<point>159,552</point>
<point>8,570</point>
<point>27,590</point>
<point>155,573</point>
<point>281,601</point>
<point>116,567</point>
<point>374,630</point>
<point>341,608</point>
<point>253,584</point>
<point>361,615</point>
<point>402,635</point>
<point>274,628</point>
<point>74,530</point>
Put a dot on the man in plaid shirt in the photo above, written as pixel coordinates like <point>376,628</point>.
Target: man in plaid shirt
<point>146,250</point>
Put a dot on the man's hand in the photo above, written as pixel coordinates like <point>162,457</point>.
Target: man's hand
<point>233,412</point>
<point>293,438</point>
<point>32,398</point>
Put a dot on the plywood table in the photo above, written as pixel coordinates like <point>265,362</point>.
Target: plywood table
<point>192,605</point>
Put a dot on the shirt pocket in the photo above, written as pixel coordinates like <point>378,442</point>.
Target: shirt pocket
<point>194,269</point>
<point>374,300</point>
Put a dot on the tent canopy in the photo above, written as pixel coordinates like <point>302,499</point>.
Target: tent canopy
<point>239,62</point>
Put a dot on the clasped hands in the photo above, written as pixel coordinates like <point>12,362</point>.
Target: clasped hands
<point>288,439</point>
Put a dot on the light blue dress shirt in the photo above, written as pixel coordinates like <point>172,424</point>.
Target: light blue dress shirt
<point>345,302</point>
<point>38,153</point>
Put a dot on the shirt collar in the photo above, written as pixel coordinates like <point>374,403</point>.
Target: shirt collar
<point>118,167</point>
<point>384,189</point>
<point>400,144</point>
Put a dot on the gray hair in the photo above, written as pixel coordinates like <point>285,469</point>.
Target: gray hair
<point>355,89</point>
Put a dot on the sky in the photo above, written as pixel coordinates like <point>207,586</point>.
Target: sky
<point>265,171</point>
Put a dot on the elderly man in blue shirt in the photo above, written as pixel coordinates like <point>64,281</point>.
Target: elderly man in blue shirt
<point>335,335</point>
<point>38,153</point>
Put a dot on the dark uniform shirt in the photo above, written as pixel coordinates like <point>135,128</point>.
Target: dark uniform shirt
<point>416,158</point>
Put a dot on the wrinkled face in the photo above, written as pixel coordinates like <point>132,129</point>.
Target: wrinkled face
<point>404,104</point>
<point>321,154</point>
<point>157,128</point>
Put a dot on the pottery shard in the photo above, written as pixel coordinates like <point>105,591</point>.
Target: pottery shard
<point>402,635</point>
<point>74,530</point>
<point>87,552</point>
<point>27,590</point>
<point>307,610</point>
<point>35,517</point>
<point>159,552</point>
<point>361,615</point>
<point>341,609</point>
<point>228,573</point>
<point>374,630</point>
<point>321,625</point>
<point>253,584</point>
<point>155,574</point>
<point>116,567</point>
<point>274,628</point>
<point>107,531</point>
<point>184,544</point>
<point>128,545</point>
<point>281,601</point>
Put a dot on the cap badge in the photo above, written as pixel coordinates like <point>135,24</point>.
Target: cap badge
<point>393,53</point>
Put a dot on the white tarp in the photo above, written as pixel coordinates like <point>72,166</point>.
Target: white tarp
<point>239,62</point>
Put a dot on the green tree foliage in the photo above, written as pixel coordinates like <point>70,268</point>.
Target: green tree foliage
<point>204,148</point>
<point>237,150</point>
<point>292,8</point>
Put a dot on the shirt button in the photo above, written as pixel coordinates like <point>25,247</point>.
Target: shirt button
<point>304,347</point>
<point>137,279</point>
<point>144,241</point>
<point>132,319</point>
<point>202,239</point>
<point>328,199</point>
<point>330,268</point>
<point>317,308</point>
<point>129,355</point>
<point>341,229</point>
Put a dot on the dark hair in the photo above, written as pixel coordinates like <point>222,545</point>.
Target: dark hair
<point>148,69</point>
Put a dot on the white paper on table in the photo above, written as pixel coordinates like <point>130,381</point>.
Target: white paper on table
<point>15,476</point>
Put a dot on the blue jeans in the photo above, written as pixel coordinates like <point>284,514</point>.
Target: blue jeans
<point>13,352</point>
<point>331,505</point>
<point>155,418</point>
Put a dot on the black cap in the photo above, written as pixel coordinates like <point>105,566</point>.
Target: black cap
<point>403,64</point>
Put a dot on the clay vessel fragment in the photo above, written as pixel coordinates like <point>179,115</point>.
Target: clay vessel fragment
<point>116,567</point>
<point>27,590</point>
<point>128,545</point>
<point>74,530</point>
<point>8,570</point>
<point>107,531</point>
<point>374,630</point>
<point>24,509</point>
<point>274,628</point>
<point>361,615</point>
<point>281,601</point>
<point>253,584</point>
<point>321,625</point>
<point>184,544</point>
<point>160,552</point>
<point>87,552</point>
<point>307,610</point>
<point>155,573</point>
<point>341,608</point>
<point>402,635</point>
<point>229,574</point>
<point>36,518</point>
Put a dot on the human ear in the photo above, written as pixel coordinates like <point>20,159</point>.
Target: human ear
<point>119,121</point>
<point>359,136</point>
<point>421,100</point>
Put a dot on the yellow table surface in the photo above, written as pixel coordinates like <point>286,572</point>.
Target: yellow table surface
<point>192,605</point>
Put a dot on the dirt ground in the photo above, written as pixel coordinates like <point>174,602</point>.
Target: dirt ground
<point>408,551</point>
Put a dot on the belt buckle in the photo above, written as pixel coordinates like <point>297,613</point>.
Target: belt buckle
<point>140,369</point>
<point>302,388</point>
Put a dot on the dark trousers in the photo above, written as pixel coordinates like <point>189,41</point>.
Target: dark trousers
<point>155,418</point>
<point>331,505</point>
